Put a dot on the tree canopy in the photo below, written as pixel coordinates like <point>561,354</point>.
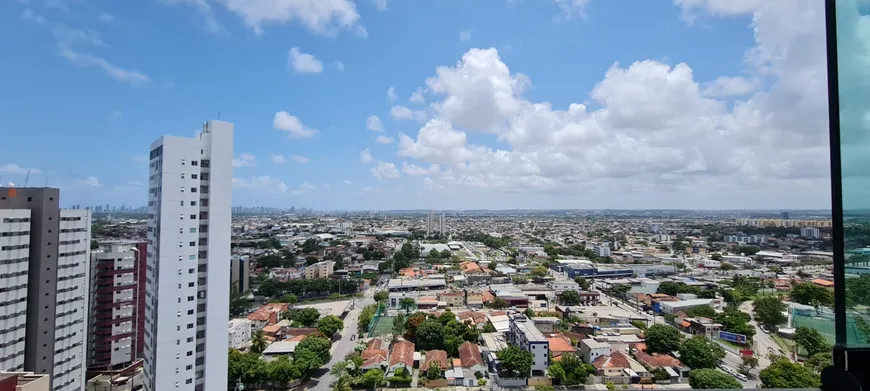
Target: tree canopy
<point>515,362</point>
<point>569,370</point>
<point>662,339</point>
<point>330,325</point>
<point>811,340</point>
<point>699,353</point>
<point>304,317</point>
<point>783,373</point>
<point>769,311</point>
<point>811,294</point>
<point>569,298</point>
<point>706,379</point>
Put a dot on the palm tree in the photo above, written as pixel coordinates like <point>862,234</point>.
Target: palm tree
<point>258,342</point>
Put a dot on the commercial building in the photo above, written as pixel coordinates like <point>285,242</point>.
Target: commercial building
<point>811,233</point>
<point>239,333</point>
<point>188,264</point>
<point>240,273</point>
<point>45,254</point>
<point>116,320</point>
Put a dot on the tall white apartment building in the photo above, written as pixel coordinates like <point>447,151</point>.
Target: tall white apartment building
<point>441,226</point>
<point>429,218</point>
<point>44,268</point>
<point>188,260</point>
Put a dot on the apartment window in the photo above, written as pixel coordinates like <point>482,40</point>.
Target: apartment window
<point>190,326</point>
<point>192,203</point>
<point>193,217</point>
<point>190,271</point>
<point>193,176</point>
<point>193,230</point>
<point>194,163</point>
<point>192,257</point>
<point>193,190</point>
<point>192,244</point>
<point>204,176</point>
<point>190,312</point>
<point>182,175</point>
<point>189,298</point>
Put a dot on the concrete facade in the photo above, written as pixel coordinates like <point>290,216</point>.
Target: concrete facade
<point>57,280</point>
<point>188,263</point>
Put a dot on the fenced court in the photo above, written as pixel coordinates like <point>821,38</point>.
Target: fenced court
<point>383,326</point>
<point>824,322</point>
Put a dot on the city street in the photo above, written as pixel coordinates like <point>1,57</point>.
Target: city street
<point>731,359</point>
<point>344,346</point>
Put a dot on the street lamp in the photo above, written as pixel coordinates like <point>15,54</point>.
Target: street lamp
<point>239,385</point>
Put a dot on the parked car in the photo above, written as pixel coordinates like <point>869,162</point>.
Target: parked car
<point>764,329</point>
<point>353,337</point>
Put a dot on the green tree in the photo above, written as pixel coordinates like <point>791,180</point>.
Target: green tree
<point>662,339</point>
<point>783,373</point>
<point>820,361</point>
<point>699,353</point>
<point>808,294</point>
<point>247,367</point>
<point>498,303</point>
<point>399,324</point>
<point>569,298</point>
<point>703,311</point>
<point>705,379</point>
<point>568,370</point>
<point>769,311</point>
<point>414,321</point>
<point>811,340</point>
<point>313,353</point>
<point>716,257</point>
<point>735,321</point>
<point>305,317</point>
<point>381,296</point>
<point>434,371</point>
<point>488,328</point>
<point>282,371</point>
<point>258,342</point>
<point>585,284</point>
<point>407,304</point>
<point>660,374</point>
<point>430,335</point>
<point>747,250</point>
<point>747,364</point>
<point>329,325</point>
<point>365,317</point>
<point>515,362</point>
<point>529,313</point>
<point>372,378</point>
<point>639,324</point>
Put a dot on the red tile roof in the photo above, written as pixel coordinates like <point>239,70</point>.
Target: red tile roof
<point>438,356</point>
<point>469,355</point>
<point>615,360</point>
<point>656,360</point>
<point>403,352</point>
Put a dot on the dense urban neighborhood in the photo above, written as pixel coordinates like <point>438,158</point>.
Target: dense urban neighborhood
<point>532,300</point>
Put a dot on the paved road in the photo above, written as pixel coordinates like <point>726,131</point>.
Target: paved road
<point>344,346</point>
<point>730,359</point>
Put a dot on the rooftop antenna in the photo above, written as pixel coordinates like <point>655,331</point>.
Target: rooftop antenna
<point>219,115</point>
<point>26,178</point>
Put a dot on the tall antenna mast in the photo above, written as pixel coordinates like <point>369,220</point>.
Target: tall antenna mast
<point>26,179</point>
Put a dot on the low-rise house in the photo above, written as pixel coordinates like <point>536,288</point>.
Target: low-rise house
<point>664,361</point>
<point>591,349</point>
<point>439,357</point>
<point>401,356</point>
<point>374,356</point>
<point>559,345</point>
<point>266,315</point>
<point>452,299</point>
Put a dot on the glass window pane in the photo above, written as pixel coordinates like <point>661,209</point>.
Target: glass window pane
<point>853,57</point>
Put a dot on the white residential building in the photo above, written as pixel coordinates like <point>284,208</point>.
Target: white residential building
<point>524,334</point>
<point>591,349</point>
<point>45,252</point>
<point>14,254</point>
<point>188,262</point>
<point>239,333</point>
<point>811,233</point>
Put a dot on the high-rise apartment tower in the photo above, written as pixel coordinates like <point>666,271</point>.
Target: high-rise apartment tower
<point>188,262</point>
<point>44,266</point>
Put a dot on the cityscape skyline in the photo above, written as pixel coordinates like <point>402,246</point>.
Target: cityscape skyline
<point>485,115</point>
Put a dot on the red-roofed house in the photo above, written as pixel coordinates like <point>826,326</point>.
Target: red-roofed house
<point>656,360</point>
<point>470,357</point>
<point>373,356</point>
<point>439,357</point>
<point>401,356</point>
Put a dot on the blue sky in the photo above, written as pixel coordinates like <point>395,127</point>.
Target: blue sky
<point>87,85</point>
